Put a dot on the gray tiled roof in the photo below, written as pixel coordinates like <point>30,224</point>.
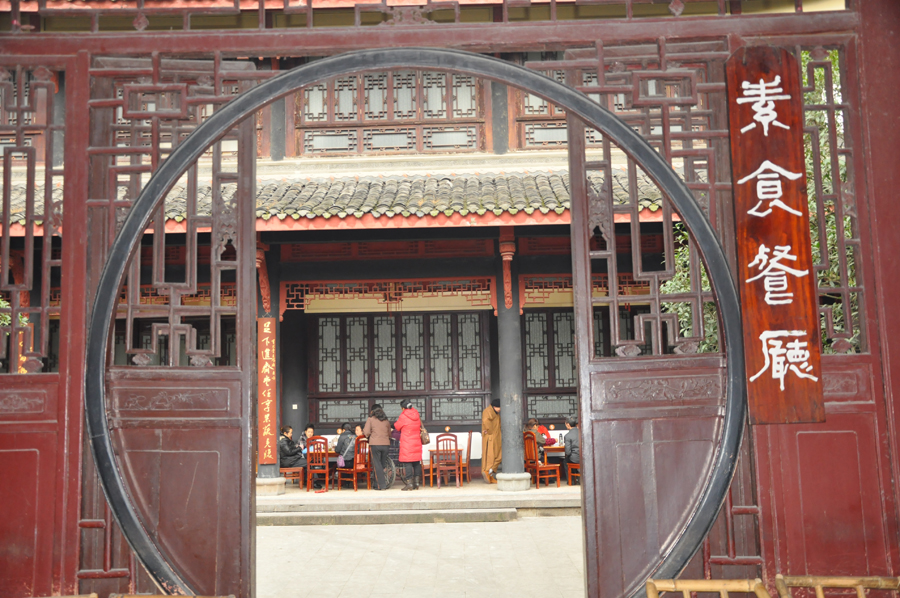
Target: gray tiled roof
<point>399,195</point>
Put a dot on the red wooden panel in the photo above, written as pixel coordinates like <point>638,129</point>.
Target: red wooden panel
<point>822,488</point>
<point>27,497</point>
<point>186,485</point>
<point>181,453</point>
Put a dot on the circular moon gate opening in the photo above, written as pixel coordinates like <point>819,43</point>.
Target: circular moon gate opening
<point>715,487</point>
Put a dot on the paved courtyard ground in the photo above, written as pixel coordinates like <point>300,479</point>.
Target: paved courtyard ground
<point>539,557</point>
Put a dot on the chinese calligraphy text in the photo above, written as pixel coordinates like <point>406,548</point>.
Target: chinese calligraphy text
<point>776,277</point>
<point>268,435</point>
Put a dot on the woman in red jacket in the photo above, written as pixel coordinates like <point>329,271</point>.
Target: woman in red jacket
<point>409,424</point>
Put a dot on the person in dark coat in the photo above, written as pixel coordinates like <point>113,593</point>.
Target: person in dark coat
<point>572,442</point>
<point>409,425</point>
<point>346,445</point>
<point>378,431</point>
<point>290,454</point>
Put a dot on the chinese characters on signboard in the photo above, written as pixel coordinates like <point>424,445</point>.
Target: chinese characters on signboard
<point>776,276</point>
<point>268,438</point>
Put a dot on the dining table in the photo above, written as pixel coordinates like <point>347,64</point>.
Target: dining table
<point>557,449</point>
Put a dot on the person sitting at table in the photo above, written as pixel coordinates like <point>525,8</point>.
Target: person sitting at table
<point>532,426</point>
<point>308,432</point>
<point>346,444</point>
<point>572,442</point>
<point>290,453</point>
<point>358,430</point>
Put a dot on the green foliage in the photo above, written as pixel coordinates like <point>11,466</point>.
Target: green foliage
<point>5,317</point>
<point>825,231</point>
<point>681,283</point>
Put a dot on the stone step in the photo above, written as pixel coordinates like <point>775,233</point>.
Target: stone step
<point>313,505</point>
<point>359,517</point>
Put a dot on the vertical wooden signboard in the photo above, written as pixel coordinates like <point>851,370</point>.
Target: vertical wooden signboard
<point>268,439</point>
<point>775,270</point>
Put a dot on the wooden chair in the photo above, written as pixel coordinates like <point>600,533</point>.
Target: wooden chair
<point>573,470</point>
<point>446,458</point>
<point>362,465</point>
<point>317,461</point>
<point>427,473</point>
<point>539,471</point>
<point>293,473</point>
<point>465,464</point>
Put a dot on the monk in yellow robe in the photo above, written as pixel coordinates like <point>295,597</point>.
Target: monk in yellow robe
<point>490,442</point>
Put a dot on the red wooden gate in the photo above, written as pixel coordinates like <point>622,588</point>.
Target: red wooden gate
<point>696,430</point>
<point>653,431</point>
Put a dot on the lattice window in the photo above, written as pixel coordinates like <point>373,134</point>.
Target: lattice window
<point>315,104</point>
<point>149,106</point>
<point>448,409</point>
<point>357,354</point>
<point>338,411</point>
<point>537,350</point>
<point>465,97</point>
<point>345,99</point>
<point>30,219</point>
<point>385,345</point>
<point>564,365</point>
<point>470,356</point>
<point>376,96</point>
<point>834,225</point>
<point>667,100</point>
<point>413,356</point>
<point>391,112</point>
<point>440,351</point>
<point>434,95</point>
<point>329,354</point>
<point>437,352</point>
<point>405,96</point>
<point>556,406</point>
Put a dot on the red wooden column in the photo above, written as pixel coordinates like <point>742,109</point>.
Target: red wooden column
<point>879,72</point>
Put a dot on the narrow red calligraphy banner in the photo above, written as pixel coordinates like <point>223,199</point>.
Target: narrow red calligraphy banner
<point>265,357</point>
<point>776,276</point>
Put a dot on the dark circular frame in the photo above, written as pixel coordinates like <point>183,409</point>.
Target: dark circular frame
<point>244,105</point>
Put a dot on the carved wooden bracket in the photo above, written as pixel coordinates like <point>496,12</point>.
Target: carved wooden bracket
<point>507,251</point>
<point>264,290</point>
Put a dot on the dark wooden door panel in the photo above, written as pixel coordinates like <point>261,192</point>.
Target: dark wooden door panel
<point>662,438</point>
<point>177,444</point>
<point>648,477</point>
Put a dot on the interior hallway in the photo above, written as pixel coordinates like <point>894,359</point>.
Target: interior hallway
<point>540,557</point>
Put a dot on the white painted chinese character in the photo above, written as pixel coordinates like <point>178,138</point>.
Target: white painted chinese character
<point>774,273</point>
<point>768,188</point>
<point>763,95</point>
<point>782,358</point>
